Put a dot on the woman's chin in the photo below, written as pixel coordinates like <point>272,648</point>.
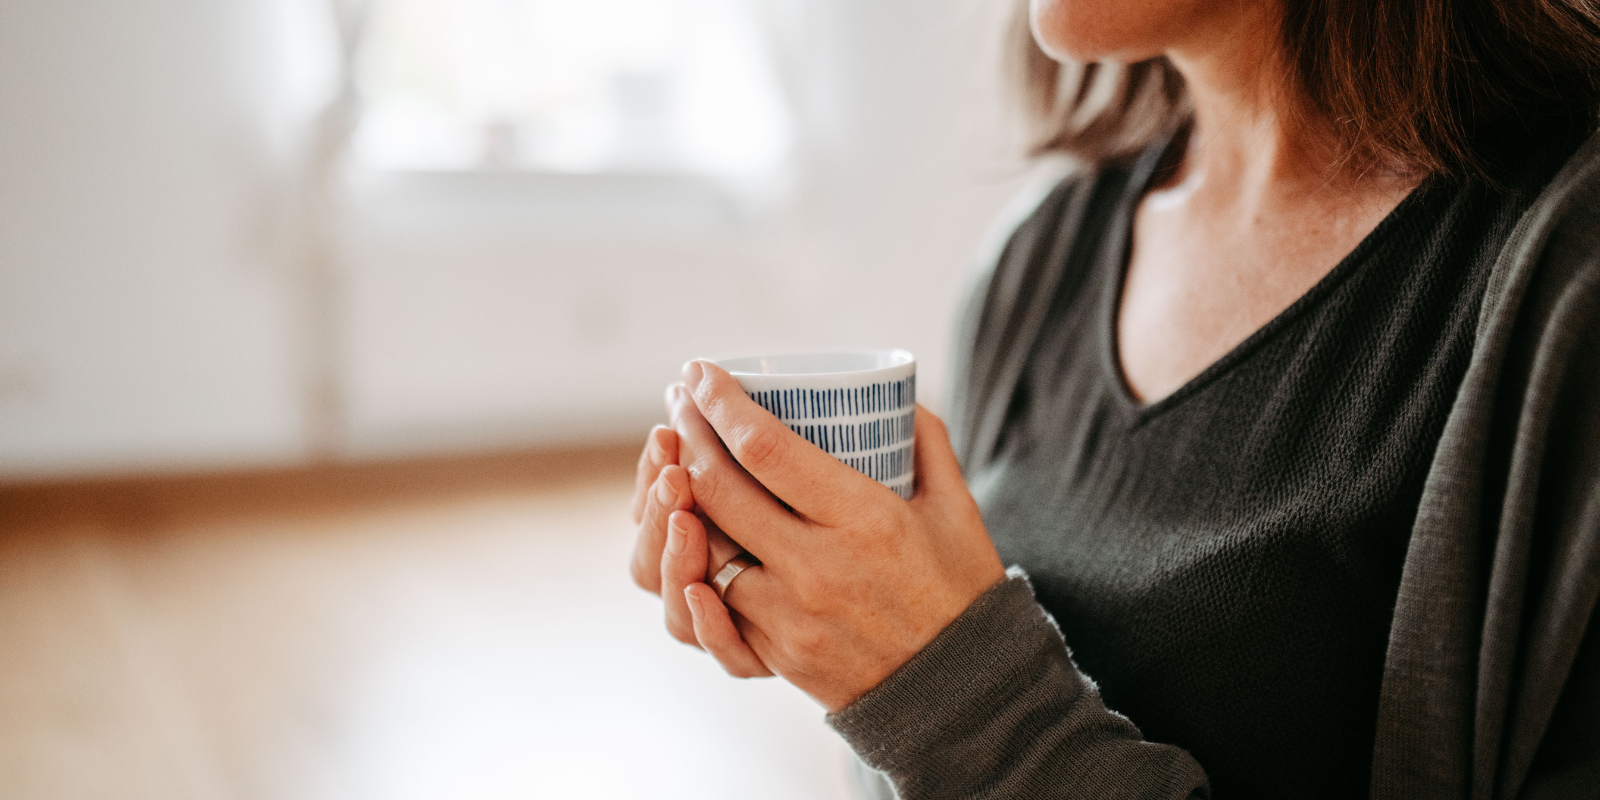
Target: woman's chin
<point>1075,30</point>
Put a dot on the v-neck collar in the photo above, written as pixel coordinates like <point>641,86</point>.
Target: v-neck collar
<point>1120,233</point>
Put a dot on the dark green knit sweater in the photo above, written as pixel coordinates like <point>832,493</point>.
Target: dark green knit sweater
<point>1356,556</point>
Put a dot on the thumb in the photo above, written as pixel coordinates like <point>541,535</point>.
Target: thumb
<point>939,476</point>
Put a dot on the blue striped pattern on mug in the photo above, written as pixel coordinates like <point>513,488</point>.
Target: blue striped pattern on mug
<point>855,437</point>
<point>793,404</point>
<point>884,467</point>
<point>879,448</point>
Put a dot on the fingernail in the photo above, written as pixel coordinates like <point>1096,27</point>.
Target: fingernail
<point>694,602</point>
<point>665,494</point>
<point>675,534</point>
<point>692,373</point>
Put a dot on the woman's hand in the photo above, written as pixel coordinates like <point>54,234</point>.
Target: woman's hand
<point>853,580</point>
<point>661,497</point>
<point>652,502</point>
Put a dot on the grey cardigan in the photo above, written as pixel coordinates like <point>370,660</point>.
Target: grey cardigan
<point>1491,686</point>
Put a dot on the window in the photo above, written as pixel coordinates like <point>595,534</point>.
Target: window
<point>570,86</point>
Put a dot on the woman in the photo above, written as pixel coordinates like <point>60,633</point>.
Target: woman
<point>1287,402</point>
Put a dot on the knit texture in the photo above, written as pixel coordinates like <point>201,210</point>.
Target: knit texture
<point>1004,692</point>
<point>1467,410</point>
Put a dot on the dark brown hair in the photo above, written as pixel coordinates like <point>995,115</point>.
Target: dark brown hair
<point>1419,87</point>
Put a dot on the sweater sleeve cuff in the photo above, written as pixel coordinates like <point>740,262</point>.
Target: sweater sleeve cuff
<point>978,660</point>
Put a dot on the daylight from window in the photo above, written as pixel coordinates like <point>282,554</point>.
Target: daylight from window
<point>571,86</point>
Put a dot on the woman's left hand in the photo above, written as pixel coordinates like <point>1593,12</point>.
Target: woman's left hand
<point>853,580</point>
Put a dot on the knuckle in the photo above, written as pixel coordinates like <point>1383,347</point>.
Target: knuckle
<point>814,599</point>
<point>652,518</point>
<point>649,512</point>
<point>806,647</point>
<point>707,484</point>
<point>708,397</point>
<point>682,632</point>
<point>676,480</point>
<point>763,447</point>
<point>679,571</point>
<point>646,575</point>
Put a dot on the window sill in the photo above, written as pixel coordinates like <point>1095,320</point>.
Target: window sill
<point>548,205</point>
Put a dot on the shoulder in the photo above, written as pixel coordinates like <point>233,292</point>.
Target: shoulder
<point>1547,278</point>
<point>1568,206</point>
<point>1016,254</point>
<point>1019,266</point>
<point>1030,206</point>
<point>1539,323</point>
<point>1501,571</point>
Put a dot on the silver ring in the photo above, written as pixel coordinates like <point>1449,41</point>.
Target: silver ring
<point>731,570</point>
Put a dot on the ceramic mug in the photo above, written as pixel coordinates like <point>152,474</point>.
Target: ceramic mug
<point>858,406</point>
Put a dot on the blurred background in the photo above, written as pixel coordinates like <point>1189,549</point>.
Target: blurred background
<point>330,329</point>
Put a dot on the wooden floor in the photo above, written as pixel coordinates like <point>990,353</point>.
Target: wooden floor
<point>444,629</point>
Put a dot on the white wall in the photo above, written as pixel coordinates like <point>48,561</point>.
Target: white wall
<point>152,308</point>
<point>564,321</point>
<point>145,318</point>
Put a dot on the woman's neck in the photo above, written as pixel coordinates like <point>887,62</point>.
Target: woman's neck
<point>1257,139</point>
<point>1260,208</point>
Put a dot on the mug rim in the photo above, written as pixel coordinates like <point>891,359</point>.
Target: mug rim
<point>900,358</point>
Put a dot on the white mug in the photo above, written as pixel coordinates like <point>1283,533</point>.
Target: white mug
<point>858,406</point>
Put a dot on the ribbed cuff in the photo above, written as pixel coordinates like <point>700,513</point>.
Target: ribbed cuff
<point>975,662</point>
